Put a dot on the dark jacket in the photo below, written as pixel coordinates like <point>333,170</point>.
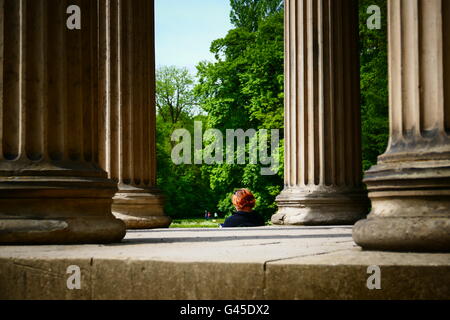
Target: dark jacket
<point>244,219</point>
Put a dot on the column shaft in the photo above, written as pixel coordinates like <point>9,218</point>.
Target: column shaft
<point>322,117</point>
<point>52,189</point>
<point>129,123</point>
<point>410,185</point>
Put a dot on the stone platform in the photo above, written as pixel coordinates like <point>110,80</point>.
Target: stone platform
<point>239,263</point>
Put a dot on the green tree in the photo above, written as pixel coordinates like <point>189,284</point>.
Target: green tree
<point>186,189</point>
<point>374,84</point>
<point>249,13</point>
<point>174,97</point>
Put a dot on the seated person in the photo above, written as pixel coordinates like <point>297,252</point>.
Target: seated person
<point>243,201</point>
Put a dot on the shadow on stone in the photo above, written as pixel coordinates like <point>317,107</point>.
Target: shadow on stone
<point>227,238</point>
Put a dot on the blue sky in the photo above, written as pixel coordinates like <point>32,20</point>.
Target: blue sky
<point>186,28</point>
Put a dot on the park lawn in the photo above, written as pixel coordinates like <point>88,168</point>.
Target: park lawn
<point>196,223</point>
<point>201,223</point>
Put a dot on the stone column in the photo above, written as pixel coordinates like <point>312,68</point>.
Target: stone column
<point>410,185</point>
<point>128,125</point>
<point>322,117</point>
<point>52,189</point>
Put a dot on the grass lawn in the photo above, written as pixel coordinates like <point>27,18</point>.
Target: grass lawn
<point>196,223</point>
<point>201,223</point>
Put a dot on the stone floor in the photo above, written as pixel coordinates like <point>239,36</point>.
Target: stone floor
<point>239,263</point>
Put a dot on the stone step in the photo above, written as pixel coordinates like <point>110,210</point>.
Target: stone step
<point>239,263</point>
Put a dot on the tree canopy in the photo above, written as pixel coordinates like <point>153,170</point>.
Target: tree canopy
<point>174,96</point>
<point>249,13</point>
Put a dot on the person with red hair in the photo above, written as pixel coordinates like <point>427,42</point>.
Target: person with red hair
<point>244,202</point>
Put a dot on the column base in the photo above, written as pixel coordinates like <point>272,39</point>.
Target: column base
<point>61,231</point>
<point>403,234</point>
<point>58,210</point>
<point>324,206</point>
<point>146,222</point>
<point>140,208</point>
<point>410,207</point>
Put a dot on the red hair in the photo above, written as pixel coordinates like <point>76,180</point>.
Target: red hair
<point>243,199</point>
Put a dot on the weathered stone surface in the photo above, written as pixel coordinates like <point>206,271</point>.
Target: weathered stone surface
<point>323,183</point>
<point>128,151</point>
<point>410,185</point>
<point>166,280</point>
<point>343,275</point>
<point>40,279</point>
<point>258,263</point>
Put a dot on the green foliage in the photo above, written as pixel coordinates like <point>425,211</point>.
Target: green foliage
<point>374,84</point>
<point>185,186</point>
<point>244,89</point>
<point>249,13</point>
<point>186,190</point>
<point>174,98</point>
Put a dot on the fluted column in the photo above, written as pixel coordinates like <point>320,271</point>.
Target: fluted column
<point>128,86</point>
<point>410,185</point>
<point>52,189</point>
<point>322,117</point>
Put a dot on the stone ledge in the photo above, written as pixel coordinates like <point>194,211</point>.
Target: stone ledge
<point>257,263</point>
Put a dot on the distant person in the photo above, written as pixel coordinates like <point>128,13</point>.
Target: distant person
<point>244,202</point>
